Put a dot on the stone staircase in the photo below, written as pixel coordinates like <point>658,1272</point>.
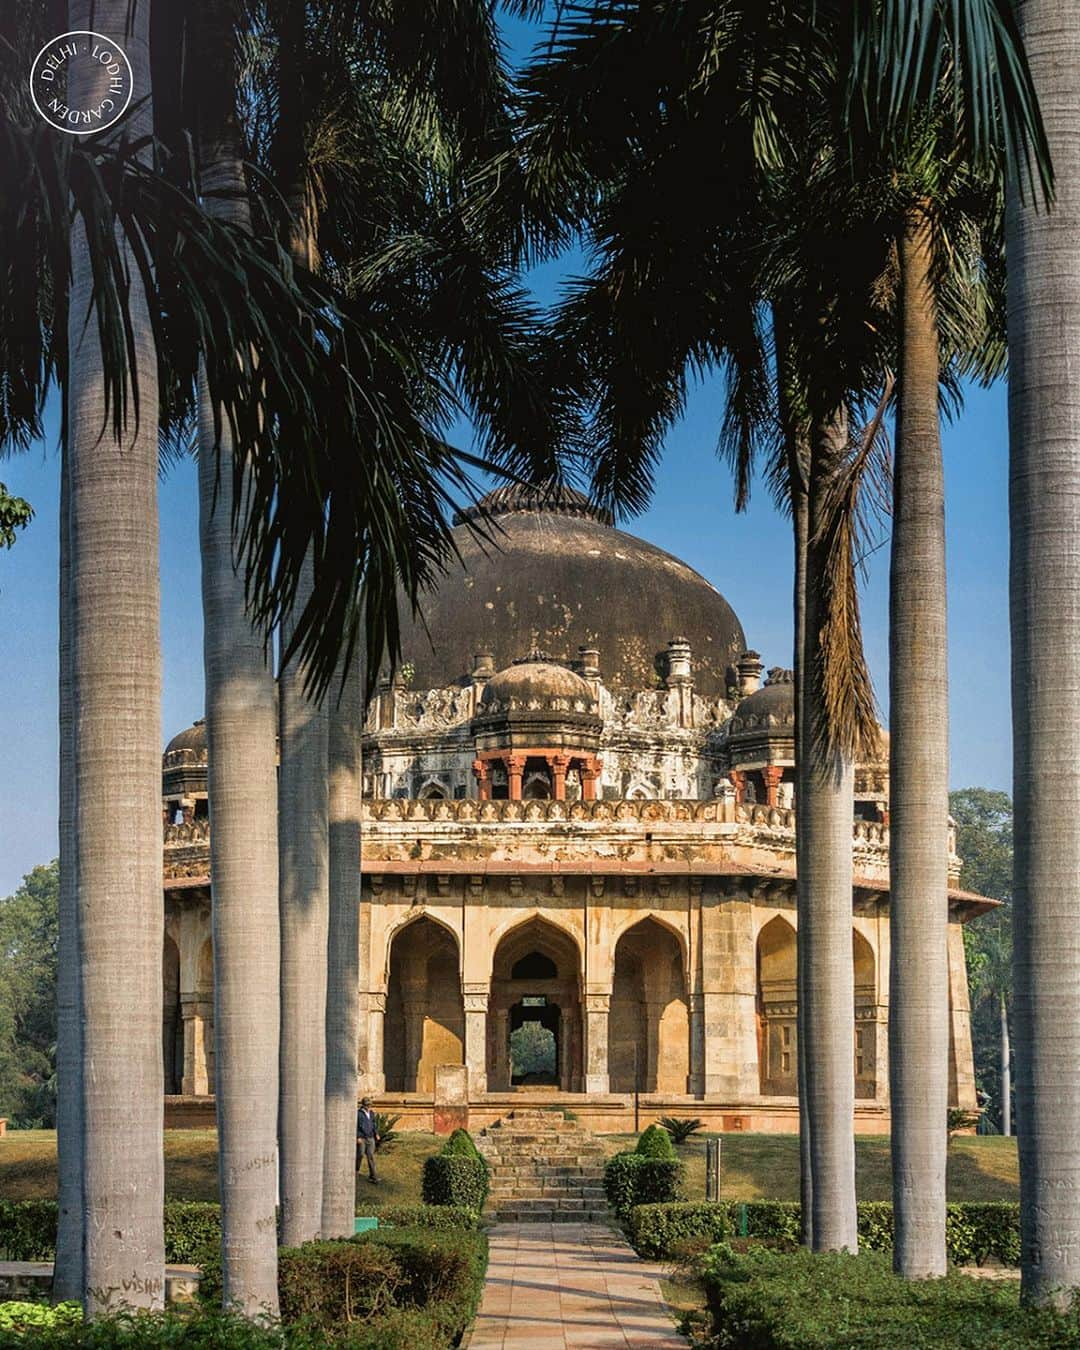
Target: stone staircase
<point>544,1169</point>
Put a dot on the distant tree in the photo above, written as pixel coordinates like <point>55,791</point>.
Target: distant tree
<point>15,514</point>
<point>532,1049</point>
<point>28,937</point>
<point>984,841</point>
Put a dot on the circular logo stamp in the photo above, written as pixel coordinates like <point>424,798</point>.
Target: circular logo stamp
<point>81,82</point>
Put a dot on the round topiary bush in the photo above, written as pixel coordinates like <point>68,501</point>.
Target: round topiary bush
<point>655,1142</point>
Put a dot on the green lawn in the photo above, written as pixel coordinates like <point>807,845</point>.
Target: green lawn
<point>754,1166</point>
<point>766,1166</point>
<point>28,1167</point>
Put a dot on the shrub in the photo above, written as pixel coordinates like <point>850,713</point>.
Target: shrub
<point>457,1174</point>
<point>327,1283</point>
<point>24,1316</point>
<point>631,1179</point>
<point>973,1232</point>
<point>443,1273</point>
<point>658,1230</point>
<point>655,1143</point>
<point>680,1127</point>
<point>28,1229</point>
<point>766,1300</point>
<point>442,1218</point>
<point>384,1128</point>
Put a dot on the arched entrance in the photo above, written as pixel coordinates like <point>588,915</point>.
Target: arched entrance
<point>865,1028</point>
<point>776,1009</point>
<point>649,1028</point>
<point>172,1025</point>
<point>534,1012</point>
<point>425,1016</point>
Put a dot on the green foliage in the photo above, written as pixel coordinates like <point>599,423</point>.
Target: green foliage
<point>680,1128</point>
<point>443,1273</point>
<point>768,1300</point>
<point>655,1143</point>
<point>28,1230</point>
<point>327,1283</point>
<point>384,1128</point>
<point>532,1050</point>
<point>457,1174</point>
<point>984,840</point>
<point>28,1316</point>
<point>974,1232</point>
<point>28,939</point>
<point>633,1179</point>
<point>659,1230</point>
<point>442,1218</point>
<point>15,514</point>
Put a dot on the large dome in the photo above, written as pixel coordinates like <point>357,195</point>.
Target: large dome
<point>557,576</point>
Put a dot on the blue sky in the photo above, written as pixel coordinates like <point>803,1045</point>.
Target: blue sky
<point>747,557</point>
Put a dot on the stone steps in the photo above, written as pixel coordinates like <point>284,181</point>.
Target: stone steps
<point>544,1169</point>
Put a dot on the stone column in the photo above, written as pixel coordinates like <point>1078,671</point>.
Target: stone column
<point>772,774</point>
<point>559,765</point>
<point>738,782</point>
<point>515,767</point>
<point>960,1015</point>
<point>597,1012</point>
<point>695,1083</point>
<point>376,1027</point>
<point>501,1057</point>
<point>590,778</point>
<point>196,1010</point>
<point>729,990</point>
<point>482,769</point>
<point>475,998</point>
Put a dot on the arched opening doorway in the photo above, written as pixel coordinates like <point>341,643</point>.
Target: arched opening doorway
<point>865,1012</point>
<point>172,1025</point>
<point>649,1026</point>
<point>777,1009</point>
<point>425,1015</point>
<point>534,1011</point>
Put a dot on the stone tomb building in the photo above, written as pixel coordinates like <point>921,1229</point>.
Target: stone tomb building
<point>578,853</point>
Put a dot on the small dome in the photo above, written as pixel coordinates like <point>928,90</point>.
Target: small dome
<point>536,680</point>
<point>192,739</point>
<point>773,705</point>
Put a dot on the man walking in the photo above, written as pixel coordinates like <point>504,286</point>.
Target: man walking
<point>367,1138</point>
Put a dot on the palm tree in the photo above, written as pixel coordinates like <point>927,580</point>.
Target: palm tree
<point>115,688</point>
<point>241,724</point>
<point>1044,585</point>
<point>343,959</point>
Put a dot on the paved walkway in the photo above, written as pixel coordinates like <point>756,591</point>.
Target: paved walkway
<point>570,1286</point>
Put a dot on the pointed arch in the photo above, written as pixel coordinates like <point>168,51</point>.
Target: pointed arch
<point>649,1027</point>
<point>425,1015</point>
<point>536,974</point>
<point>776,1008</point>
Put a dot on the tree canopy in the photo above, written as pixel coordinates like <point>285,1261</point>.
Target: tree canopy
<point>28,938</point>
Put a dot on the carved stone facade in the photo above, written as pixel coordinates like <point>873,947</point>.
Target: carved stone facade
<point>598,860</point>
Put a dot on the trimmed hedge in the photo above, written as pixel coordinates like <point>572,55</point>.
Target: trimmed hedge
<point>457,1174</point>
<point>768,1300</point>
<point>632,1179</point>
<point>28,1230</point>
<point>441,1218</point>
<point>659,1230</point>
<point>973,1232</point>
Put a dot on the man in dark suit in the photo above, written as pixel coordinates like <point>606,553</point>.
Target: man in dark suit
<point>367,1138</point>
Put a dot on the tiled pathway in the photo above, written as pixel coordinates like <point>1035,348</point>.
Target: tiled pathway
<point>569,1287</point>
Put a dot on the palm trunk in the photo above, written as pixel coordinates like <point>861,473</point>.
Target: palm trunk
<point>800,521</point>
<point>824,818</point>
<point>241,725</point>
<point>303,800</point>
<point>343,962</point>
<point>304,909</point>
<point>1044,601</point>
<point>918,784</point>
<point>1006,1067</point>
<point>68,1265</point>
<point>116,767</point>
